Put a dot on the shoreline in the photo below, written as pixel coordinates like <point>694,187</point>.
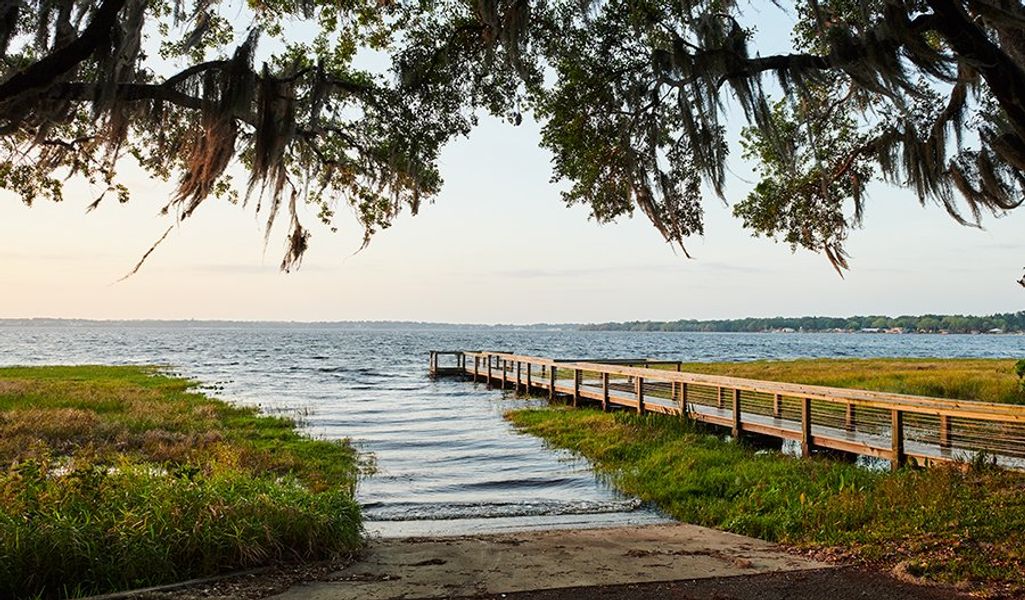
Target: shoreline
<point>849,483</point>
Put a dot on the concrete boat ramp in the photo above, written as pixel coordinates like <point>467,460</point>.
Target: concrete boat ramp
<point>564,563</point>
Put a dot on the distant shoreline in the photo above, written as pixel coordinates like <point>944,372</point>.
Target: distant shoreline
<point>1000,323</point>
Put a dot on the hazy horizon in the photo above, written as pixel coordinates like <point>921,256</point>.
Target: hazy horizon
<point>452,323</point>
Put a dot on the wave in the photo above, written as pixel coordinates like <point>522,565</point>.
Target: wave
<point>447,512</point>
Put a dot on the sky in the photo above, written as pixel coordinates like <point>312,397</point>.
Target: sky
<point>497,245</point>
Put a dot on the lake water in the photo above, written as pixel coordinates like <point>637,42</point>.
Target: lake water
<point>446,460</point>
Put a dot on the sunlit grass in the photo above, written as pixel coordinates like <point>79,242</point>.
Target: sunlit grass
<point>119,477</point>
<point>984,380</point>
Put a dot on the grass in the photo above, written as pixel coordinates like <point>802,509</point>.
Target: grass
<point>979,379</point>
<point>956,526</point>
<point>983,380</point>
<point>113,478</point>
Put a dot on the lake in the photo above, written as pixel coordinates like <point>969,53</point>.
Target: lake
<point>446,461</point>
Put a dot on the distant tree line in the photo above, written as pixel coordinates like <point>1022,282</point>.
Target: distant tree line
<point>1006,322</point>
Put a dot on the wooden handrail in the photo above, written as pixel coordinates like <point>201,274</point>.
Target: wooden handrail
<point>988,411</point>
<point>845,429</point>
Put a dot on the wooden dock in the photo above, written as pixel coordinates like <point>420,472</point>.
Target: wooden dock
<point>899,428</point>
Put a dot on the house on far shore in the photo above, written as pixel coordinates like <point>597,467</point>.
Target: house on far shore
<point>995,330</point>
<point>870,330</point>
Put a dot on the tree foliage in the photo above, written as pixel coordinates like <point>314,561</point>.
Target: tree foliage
<point>1006,322</point>
<point>633,97</point>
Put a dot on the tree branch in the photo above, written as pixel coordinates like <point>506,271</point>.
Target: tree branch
<point>48,69</point>
<point>1005,77</point>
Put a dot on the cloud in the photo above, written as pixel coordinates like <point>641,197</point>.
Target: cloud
<point>53,256</point>
<point>681,268</point>
<point>241,268</point>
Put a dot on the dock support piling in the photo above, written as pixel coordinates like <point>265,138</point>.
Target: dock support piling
<point>738,426</point>
<point>944,432</point>
<point>576,387</point>
<point>529,382</point>
<point>721,398</point>
<point>489,371</point>
<point>777,406</point>
<point>519,382</point>
<point>897,435</point>
<point>551,383</point>
<point>639,387</point>
<point>806,443</point>
<point>605,392</point>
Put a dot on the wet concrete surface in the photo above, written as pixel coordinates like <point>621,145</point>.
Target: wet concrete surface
<point>555,560</point>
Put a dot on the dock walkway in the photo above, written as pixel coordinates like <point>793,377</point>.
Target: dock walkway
<point>894,427</point>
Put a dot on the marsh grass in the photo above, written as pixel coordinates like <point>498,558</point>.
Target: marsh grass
<point>120,477</point>
<point>946,524</point>
<point>983,380</point>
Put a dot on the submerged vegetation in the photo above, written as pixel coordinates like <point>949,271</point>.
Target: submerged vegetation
<point>952,525</point>
<point>120,477</point>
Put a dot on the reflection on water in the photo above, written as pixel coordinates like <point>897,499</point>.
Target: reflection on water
<point>446,461</point>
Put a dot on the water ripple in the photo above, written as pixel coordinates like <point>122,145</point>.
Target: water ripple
<point>443,451</point>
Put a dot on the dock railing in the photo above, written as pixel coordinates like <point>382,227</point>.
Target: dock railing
<point>889,426</point>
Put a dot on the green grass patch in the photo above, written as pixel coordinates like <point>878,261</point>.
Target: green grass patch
<point>983,380</point>
<point>113,478</point>
<point>945,524</point>
<point>979,379</point>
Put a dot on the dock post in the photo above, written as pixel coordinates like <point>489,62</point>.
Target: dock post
<point>944,432</point>
<point>721,399</point>
<point>639,387</point>
<point>433,363</point>
<point>576,387</point>
<point>604,391</point>
<point>530,384</point>
<point>683,398</point>
<point>551,382</point>
<point>519,372</point>
<point>777,406</point>
<point>489,371</point>
<point>738,426</point>
<point>897,436</point>
<point>476,368</point>
<point>505,370</point>
<point>851,417</point>
<point>806,443</point>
